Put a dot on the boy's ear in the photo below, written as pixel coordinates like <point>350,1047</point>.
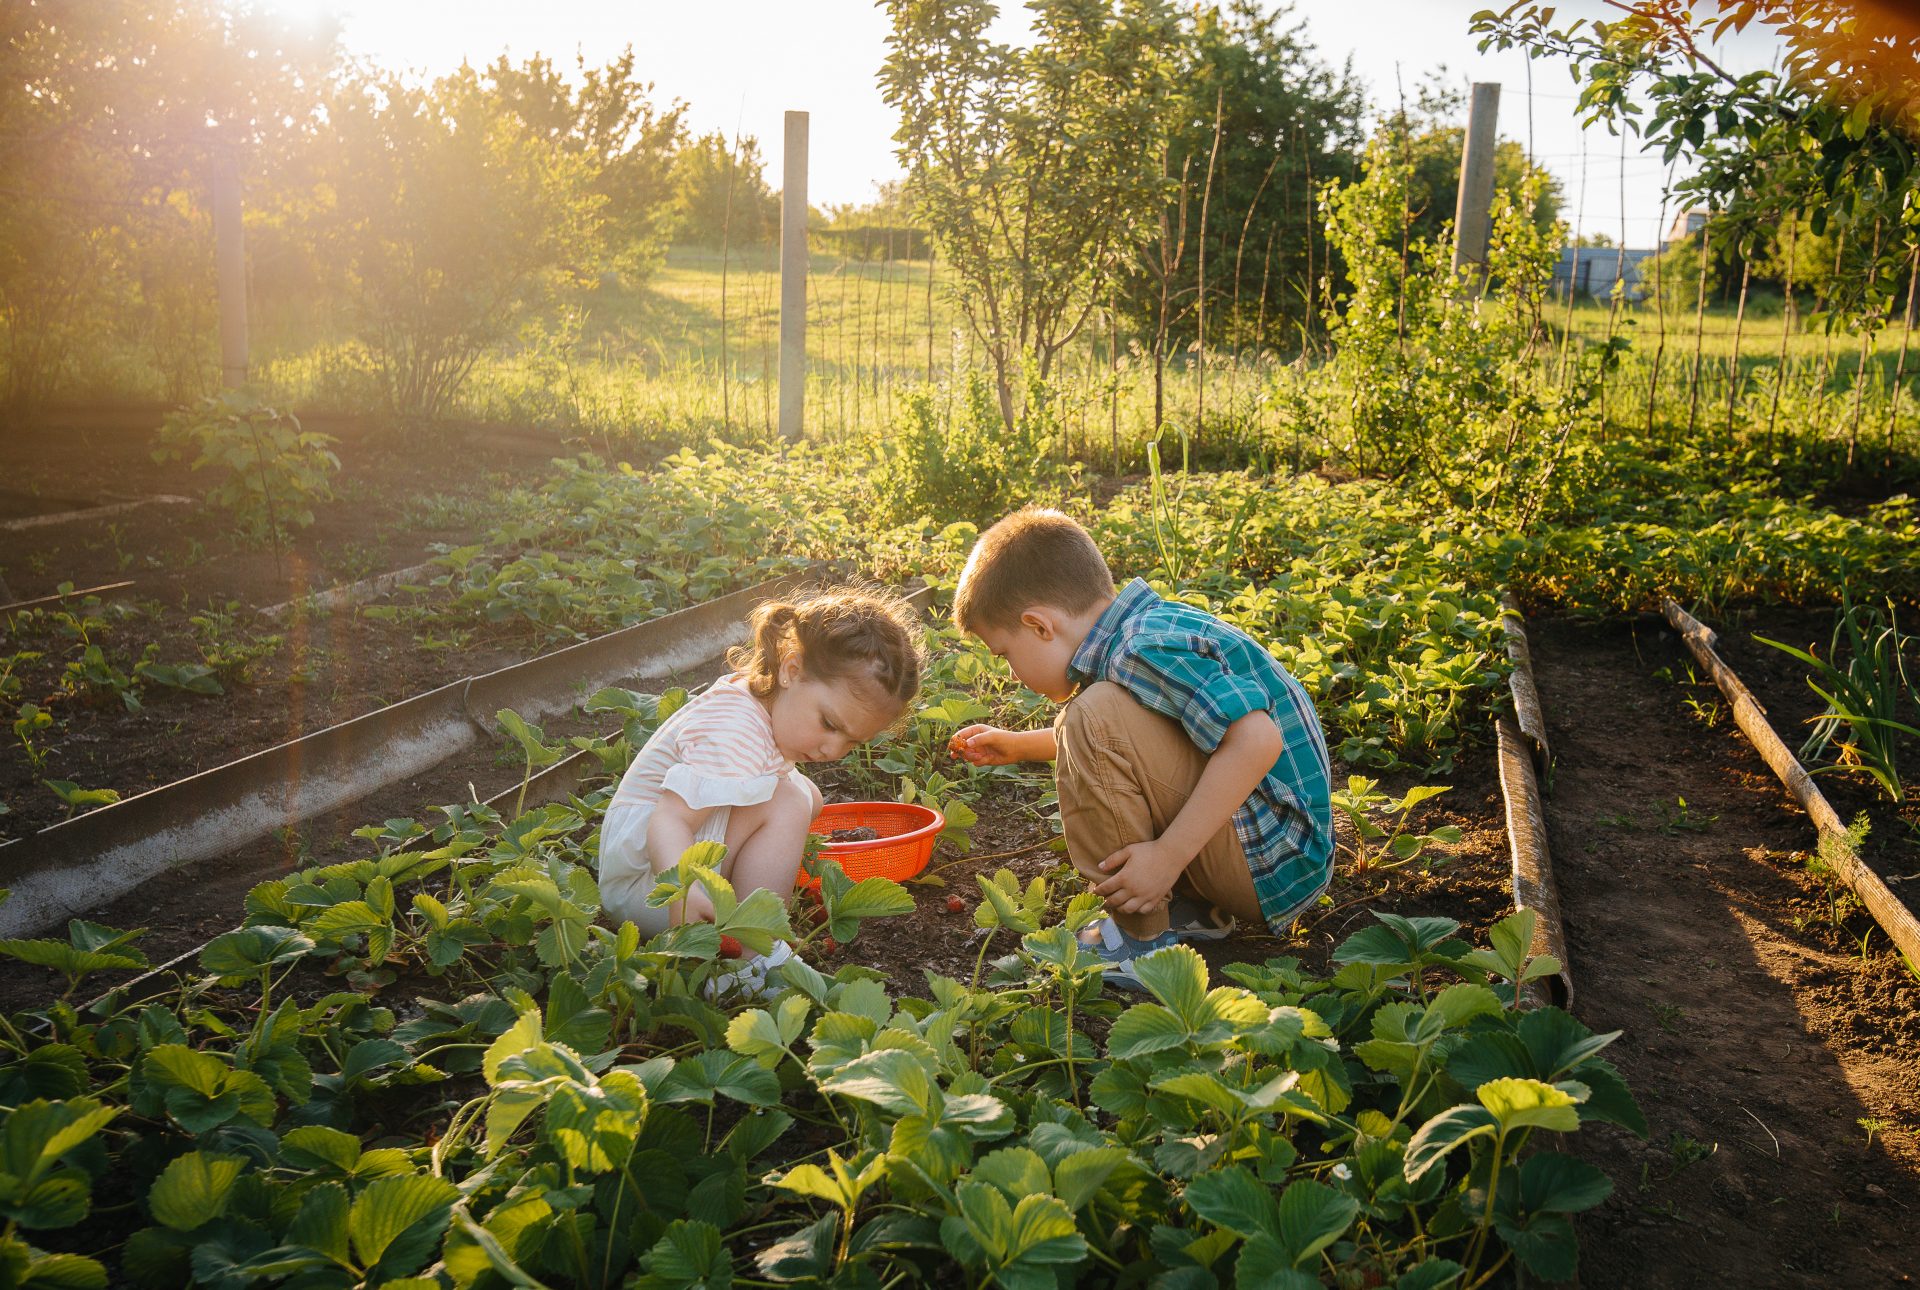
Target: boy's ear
<point>1039,622</point>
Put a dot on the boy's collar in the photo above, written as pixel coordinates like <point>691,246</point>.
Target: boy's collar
<point>1092,651</point>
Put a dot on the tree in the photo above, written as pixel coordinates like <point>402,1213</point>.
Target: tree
<point>1832,132</point>
<point>1287,121</point>
<point>1035,168</point>
<point>452,218</point>
<point>110,116</point>
<point>626,147</point>
<point>721,187</point>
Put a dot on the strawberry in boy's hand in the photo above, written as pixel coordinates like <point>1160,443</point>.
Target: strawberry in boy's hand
<point>731,948</point>
<point>982,745</point>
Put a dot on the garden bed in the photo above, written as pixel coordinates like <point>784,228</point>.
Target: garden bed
<point>1757,1036</point>
<point>196,585</point>
<point>591,555</point>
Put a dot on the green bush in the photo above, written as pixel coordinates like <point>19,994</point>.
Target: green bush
<point>950,454</point>
<point>271,471</point>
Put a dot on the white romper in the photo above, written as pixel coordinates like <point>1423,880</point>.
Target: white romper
<point>718,752</point>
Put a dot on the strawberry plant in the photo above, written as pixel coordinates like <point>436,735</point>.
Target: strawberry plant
<point>558,1101</point>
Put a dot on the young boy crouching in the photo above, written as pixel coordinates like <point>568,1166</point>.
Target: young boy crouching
<point>1193,774</point>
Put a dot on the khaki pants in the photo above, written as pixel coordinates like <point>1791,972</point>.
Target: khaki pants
<point>1124,773</point>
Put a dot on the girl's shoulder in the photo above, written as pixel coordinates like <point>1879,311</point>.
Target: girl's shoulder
<point>727,702</point>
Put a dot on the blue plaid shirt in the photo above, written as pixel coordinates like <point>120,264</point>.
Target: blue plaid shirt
<point>1188,665</point>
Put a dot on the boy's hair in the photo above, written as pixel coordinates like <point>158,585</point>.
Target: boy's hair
<point>1035,556</point>
<point>872,638</point>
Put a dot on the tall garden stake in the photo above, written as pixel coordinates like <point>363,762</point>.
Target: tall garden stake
<point>1789,319</point>
<point>1659,301</point>
<point>1200,268</point>
<point>1735,378</point>
<point>1867,334</point>
<point>1906,333</point>
<point>1699,330</point>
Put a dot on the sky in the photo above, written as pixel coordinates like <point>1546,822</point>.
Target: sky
<point>741,64</point>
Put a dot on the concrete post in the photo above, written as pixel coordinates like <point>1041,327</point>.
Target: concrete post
<point>1473,213</point>
<point>230,260</point>
<point>793,278</point>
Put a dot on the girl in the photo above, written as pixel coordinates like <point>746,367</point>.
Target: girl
<point>822,675</point>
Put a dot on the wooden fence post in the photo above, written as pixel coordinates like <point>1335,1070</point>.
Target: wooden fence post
<point>793,278</point>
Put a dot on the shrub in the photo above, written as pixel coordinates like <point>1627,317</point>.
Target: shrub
<point>951,455</point>
<point>271,471</point>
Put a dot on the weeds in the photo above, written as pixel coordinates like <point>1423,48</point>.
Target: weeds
<point>1865,699</point>
<point>1679,817</point>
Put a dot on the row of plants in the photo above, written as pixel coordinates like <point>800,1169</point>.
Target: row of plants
<point>87,654</point>
<point>433,1066</point>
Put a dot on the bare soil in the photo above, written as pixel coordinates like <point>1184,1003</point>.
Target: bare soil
<point>397,495</point>
<point>1757,1036</point>
<point>1470,885</point>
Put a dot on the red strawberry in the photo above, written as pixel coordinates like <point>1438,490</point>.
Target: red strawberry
<point>830,946</point>
<point>955,905</point>
<point>731,948</point>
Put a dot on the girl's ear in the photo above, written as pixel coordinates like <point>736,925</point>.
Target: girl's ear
<point>788,672</point>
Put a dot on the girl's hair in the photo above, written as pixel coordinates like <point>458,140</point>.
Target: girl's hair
<point>871,638</point>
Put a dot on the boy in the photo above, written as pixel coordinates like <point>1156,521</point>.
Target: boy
<point>1193,774</point>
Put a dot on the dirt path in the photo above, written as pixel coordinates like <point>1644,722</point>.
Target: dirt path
<point>1757,1039</point>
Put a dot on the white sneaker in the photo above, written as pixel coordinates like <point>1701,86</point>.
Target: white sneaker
<point>750,978</point>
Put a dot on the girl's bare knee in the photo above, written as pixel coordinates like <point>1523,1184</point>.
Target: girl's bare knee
<point>791,799</point>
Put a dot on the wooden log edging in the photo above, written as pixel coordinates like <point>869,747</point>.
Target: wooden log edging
<point>347,595</point>
<point>86,513</point>
<point>1898,921</point>
<point>1533,885</point>
<point>1526,695</point>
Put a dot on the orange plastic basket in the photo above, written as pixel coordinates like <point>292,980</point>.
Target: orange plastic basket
<point>905,844</point>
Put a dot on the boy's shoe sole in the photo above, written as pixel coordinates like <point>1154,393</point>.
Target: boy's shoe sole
<point>1192,920</point>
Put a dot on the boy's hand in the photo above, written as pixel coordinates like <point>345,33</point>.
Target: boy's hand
<point>1143,877</point>
<point>984,746</point>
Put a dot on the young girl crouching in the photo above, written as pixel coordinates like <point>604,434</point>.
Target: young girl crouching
<point>823,674</point>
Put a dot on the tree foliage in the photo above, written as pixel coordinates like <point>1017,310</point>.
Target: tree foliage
<point>721,193</point>
<point>1831,132</point>
<point>451,218</point>
<point>425,219</point>
<point>1035,167</point>
<point>111,117</point>
<point>1287,121</point>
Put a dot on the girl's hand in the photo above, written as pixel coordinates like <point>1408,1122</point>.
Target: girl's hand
<point>984,746</point>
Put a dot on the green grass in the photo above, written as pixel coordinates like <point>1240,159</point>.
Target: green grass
<point>655,365</point>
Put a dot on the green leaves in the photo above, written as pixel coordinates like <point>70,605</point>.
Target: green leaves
<point>395,1223</point>
<point>38,1190</point>
<point>192,1191</point>
<point>1511,937</point>
<point>841,1184</point>
<point>242,954</point>
<point>849,903</point>
<point>89,948</point>
<point>1017,1242</point>
<point>201,1093</point>
<point>1506,1105</point>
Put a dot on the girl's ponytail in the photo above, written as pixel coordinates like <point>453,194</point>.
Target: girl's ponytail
<point>772,624</point>
<point>843,634</point>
